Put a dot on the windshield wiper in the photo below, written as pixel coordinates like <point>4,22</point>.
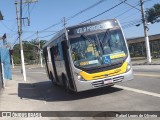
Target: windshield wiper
<point>108,41</point>
<point>101,44</point>
<point>105,35</point>
<point>86,38</point>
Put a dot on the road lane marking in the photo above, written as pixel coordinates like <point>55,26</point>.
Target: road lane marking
<point>138,91</point>
<point>146,75</point>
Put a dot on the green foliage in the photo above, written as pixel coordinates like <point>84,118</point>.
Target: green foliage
<point>153,14</point>
<point>31,52</point>
<point>16,54</point>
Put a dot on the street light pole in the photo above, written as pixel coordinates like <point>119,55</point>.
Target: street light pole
<point>19,23</point>
<point>145,33</point>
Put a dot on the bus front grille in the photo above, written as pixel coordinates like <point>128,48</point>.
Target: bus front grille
<point>102,83</point>
<point>118,79</point>
<point>98,84</point>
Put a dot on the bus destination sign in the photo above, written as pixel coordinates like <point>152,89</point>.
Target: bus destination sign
<point>93,27</point>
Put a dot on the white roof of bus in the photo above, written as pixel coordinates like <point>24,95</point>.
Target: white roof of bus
<point>62,31</point>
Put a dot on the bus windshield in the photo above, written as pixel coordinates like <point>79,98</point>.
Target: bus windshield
<point>105,48</point>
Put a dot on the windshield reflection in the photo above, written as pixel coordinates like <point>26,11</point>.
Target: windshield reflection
<point>98,49</point>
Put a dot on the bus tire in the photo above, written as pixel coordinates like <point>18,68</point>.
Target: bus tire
<point>52,79</point>
<point>65,83</point>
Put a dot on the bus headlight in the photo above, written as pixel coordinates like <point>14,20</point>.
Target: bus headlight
<point>79,77</point>
<point>128,67</point>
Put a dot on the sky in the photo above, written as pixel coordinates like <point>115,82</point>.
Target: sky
<point>46,13</point>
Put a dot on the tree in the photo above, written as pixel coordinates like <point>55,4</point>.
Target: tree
<point>16,54</point>
<point>30,49</point>
<point>153,14</point>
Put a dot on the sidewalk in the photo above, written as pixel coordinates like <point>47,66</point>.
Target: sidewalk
<point>10,99</point>
<point>143,61</point>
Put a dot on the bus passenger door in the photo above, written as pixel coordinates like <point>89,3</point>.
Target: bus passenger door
<point>67,64</point>
<point>52,51</point>
<point>45,53</point>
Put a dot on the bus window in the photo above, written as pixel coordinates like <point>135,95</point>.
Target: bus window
<point>98,49</point>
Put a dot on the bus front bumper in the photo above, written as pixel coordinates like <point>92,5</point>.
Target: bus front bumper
<point>93,84</point>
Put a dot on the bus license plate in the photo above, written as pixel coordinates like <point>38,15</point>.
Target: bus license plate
<point>108,81</point>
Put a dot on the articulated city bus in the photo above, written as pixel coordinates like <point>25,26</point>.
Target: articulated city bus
<point>88,56</point>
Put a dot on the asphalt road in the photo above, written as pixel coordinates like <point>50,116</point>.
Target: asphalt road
<point>112,98</point>
<point>140,94</point>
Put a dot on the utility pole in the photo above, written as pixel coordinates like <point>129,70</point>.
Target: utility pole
<point>39,48</point>
<point>19,23</point>
<point>145,33</point>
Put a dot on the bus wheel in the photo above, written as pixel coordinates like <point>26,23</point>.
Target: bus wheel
<point>65,83</point>
<point>52,79</point>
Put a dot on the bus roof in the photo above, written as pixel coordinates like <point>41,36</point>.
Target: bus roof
<point>90,23</point>
<point>80,29</point>
<point>53,38</point>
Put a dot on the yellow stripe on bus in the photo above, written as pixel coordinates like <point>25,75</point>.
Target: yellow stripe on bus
<point>104,74</point>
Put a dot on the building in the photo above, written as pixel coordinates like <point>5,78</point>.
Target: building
<point>137,46</point>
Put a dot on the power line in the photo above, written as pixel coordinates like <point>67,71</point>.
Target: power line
<point>30,36</point>
<point>7,27</point>
<point>75,15</point>
<point>127,10</point>
<point>133,15</point>
<point>48,35</point>
<point>24,8</point>
<point>131,5</point>
<point>104,12</point>
<point>15,41</point>
<point>28,31</point>
<point>88,8</point>
<point>82,11</point>
<point>29,11</point>
<point>32,7</point>
<point>50,26</point>
<point>133,23</point>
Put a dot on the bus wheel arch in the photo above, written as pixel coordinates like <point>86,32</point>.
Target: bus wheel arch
<point>65,81</point>
<point>52,78</point>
